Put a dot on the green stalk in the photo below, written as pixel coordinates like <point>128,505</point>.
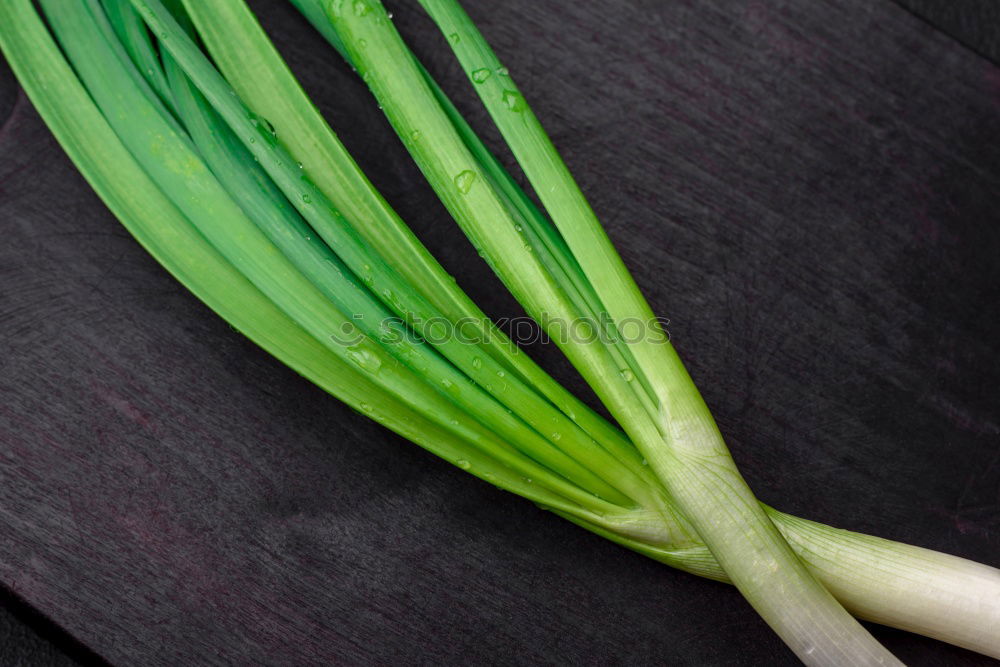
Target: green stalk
<point>277,219</point>
<point>610,388</point>
<point>680,440</point>
<point>592,467</point>
<point>255,70</point>
<point>180,173</point>
<point>153,219</point>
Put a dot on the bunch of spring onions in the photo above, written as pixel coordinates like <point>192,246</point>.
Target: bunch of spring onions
<point>188,124</point>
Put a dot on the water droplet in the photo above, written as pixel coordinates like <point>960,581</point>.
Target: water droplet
<point>263,127</point>
<point>480,75</point>
<point>477,362</point>
<point>645,462</point>
<point>252,140</point>
<point>414,135</point>
<point>514,101</point>
<point>361,8</point>
<point>455,38</point>
<point>299,165</point>
<point>557,436</point>
<point>503,71</point>
<point>464,181</point>
<point>388,15</point>
<point>367,407</point>
<point>627,374</point>
<point>362,43</point>
<point>500,374</point>
<point>306,199</point>
<point>463,464</point>
<point>518,228</point>
<point>364,358</point>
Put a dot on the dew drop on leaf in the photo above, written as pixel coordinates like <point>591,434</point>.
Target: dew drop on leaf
<point>514,101</point>
<point>364,359</point>
<point>464,181</point>
<point>361,8</point>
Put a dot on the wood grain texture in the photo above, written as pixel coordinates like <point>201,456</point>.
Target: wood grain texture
<point>808,190</point>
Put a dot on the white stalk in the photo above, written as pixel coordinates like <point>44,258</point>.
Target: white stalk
<point>910,588</point>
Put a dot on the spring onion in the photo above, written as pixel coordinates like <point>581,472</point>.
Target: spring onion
<point>236,185</point>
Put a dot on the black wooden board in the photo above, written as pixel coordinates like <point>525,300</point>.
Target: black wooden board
<point>807,189</point>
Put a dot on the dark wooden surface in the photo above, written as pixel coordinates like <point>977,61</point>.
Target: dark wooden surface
<point>974,23</point>
<point>29,638</point>
<point>809,190</point>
